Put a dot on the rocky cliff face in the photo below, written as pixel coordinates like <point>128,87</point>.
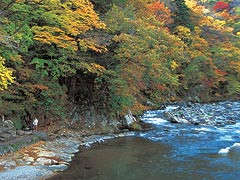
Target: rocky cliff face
<point>92,118</point>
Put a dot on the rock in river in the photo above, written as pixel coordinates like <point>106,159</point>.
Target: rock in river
<point>216,114</point>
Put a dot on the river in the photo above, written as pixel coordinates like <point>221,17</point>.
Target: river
<point>172,151</point>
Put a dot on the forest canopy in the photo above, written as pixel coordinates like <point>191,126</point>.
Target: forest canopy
<point>115,55</point>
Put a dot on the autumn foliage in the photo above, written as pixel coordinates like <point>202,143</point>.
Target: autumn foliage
<point>162,13</point>
<point>70,19</point>
<point>136,53</point>
<point>220,6</point>
<point>6,77</point>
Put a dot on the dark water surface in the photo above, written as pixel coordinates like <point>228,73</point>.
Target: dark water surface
<point>169,152</point>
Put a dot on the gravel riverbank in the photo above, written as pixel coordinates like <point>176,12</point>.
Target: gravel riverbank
<point>46,158</point>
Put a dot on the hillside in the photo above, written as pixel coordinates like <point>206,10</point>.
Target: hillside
<point>83,61</point>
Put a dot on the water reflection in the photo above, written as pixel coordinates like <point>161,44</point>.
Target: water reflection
<point>169,152</point>
<point>135,158</point>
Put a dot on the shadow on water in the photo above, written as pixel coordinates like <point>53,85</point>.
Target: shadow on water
<point>169,152</point>
<point>134,158</point>
<point>122,158</point>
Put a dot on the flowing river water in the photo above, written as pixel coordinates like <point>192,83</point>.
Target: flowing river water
<point>172,151</point>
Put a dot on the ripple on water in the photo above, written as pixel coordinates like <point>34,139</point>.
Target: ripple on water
<point>226,138</point>
<point>191,152</point>
<point>156,121</point>
<point>207,129</point>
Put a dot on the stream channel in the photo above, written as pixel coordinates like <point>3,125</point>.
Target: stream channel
<point>209,150</point>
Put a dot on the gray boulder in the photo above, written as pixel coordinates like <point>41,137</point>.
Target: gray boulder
<point>129,119</point>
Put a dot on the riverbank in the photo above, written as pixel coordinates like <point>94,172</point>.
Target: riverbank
<point>182,150</point>
<point>45,158</point>
<point>209,149</point>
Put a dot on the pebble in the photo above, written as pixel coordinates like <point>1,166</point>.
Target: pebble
<point>53,156</point>
<point>26,173</point>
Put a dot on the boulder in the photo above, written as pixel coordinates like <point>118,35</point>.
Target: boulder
<point>173,118</point>
<point>129,119</point>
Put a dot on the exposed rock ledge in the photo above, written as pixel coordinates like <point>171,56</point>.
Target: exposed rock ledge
<point>44,159</point>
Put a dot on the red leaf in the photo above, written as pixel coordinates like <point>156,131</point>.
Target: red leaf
<point>220,6</point>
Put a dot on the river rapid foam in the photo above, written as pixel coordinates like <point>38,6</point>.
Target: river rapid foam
<point>202,143</point>
<point>213,133</point>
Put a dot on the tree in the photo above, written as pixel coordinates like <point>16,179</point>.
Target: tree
<point>62,23</point>
<point>220,6</point>
<point>5,75</point>
<point>162,13</point>
<point>43,42</point>
<point>182,15</point>
<point>149,57</point>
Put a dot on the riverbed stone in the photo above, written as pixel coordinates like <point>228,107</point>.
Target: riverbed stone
<point>28,159</point>
<point>215,114</point>
<point>43,161</point>
<point>56,168</point>
<point>65,157</point>
<point>25,173</point>
<point>8,163</point>
<point>22,162</point>
<point>46,154</point>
